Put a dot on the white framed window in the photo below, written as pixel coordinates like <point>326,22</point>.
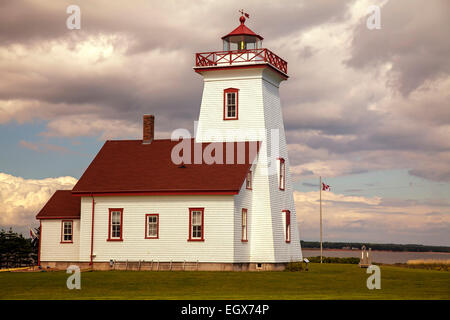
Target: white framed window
<point>115,225</point>
<point>248,182</point>
<point>196,227</point>
<point>152,226</point>
<point>281,174</point>
<point>67,231</point>
<point>244,225</point>
<point>287,225</point>
<point>230,104</point>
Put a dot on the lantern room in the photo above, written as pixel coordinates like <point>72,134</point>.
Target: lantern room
<point>240,47</point>
<point>242,38</point>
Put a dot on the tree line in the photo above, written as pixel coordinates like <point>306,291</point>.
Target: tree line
<point>17,251</point>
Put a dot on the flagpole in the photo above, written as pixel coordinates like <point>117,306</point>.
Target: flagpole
<point>320,196</point>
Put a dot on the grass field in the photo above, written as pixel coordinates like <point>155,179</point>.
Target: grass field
<point>327,281</point>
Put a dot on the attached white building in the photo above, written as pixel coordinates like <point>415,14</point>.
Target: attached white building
<point>221,201</point>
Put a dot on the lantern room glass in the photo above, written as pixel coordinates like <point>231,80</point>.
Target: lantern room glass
<point>242,42</point>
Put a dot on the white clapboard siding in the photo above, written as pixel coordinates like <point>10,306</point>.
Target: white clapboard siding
<point>259,111</point>
<point>241,201</point>
<point>51,247</point>
<point>172,244</point>
<point>280,200</point>
<point>211,126</point>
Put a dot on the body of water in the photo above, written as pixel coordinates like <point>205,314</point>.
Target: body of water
<point>388,257</point>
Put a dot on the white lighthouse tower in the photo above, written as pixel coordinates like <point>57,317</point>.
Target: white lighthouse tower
<point>241,102</point>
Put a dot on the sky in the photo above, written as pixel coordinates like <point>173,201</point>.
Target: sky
<point>368,110</point>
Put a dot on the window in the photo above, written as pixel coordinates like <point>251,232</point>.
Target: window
<point>230,104</point>
<point>288,225</point>
<point>196,230</point>
<point>115,225</point>
<point>152,226</point>
<point>248,183</point>
<point>244,225</point>
<point>282,174</point>
<point>67,231</point>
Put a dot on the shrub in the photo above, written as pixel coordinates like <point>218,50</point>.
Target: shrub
<point>294,266</point>
<point>348,260</point>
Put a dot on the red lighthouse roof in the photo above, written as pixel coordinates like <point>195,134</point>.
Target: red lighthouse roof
<point>242,30</point>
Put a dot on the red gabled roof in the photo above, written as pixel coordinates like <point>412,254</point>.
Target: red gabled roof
<point>242,30</point>
<point>62,205</point>
<point>131,167</point>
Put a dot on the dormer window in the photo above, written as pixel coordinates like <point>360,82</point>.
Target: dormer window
<point>230,104</point>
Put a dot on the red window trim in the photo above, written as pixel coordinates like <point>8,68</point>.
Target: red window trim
<point>282,187</point>
<point>287,225</point>
<point>251,180</point>
<point>62,231</point>
<point>121,225</point>
<point>246,225</point>
<point>230,90</point>
<point>157,225</point>
<point>190,224</point>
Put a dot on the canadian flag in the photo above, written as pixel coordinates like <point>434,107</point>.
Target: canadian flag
<point>325,187</point>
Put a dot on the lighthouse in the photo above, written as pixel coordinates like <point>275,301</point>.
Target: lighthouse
<point>241,102</point>
<point>228,206</point>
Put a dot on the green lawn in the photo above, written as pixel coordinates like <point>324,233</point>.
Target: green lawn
<point>327,281</point>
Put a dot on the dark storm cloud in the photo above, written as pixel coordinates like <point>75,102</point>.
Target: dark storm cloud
<point>169,25</point>
<point>327,117</point>
<point>356,121</point>
<point>22,21</point>
<point>413,37</point>
<point>378,140</point>
<point>143,28</point>
<point>287,17</point>
<point>428,173</point>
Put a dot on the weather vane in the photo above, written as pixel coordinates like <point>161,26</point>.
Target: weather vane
<point>244,13</point>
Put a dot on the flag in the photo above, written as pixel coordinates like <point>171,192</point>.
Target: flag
<point>32,234</point>
<point>325,187</point>
<point>247,15</point>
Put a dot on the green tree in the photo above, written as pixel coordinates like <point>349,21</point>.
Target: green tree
<point>15,250</point>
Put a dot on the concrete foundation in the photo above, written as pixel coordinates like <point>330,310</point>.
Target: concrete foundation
<point>164,266</point>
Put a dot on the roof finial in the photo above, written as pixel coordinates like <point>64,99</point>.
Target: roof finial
<point>242,18</point>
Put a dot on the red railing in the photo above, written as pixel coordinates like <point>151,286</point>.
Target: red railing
<point>220,58</point>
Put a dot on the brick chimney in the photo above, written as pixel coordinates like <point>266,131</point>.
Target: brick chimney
<point>149,129</point>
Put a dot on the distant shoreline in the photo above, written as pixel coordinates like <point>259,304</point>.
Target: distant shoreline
<point>359,250</point>
<point>387,247</point>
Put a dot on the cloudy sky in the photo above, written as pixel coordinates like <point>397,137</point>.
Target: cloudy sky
<point>368,110</point>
